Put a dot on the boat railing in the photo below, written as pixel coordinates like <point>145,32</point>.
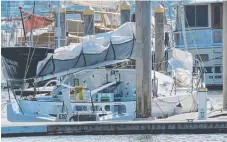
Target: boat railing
<point>116,99</point>
<point>18,83</point>
<point>49,82</point>
<point>217,36</point>
<point>195,38</point>
<point>126,64</point>
<point>43,37</point>
<point>19,80</point>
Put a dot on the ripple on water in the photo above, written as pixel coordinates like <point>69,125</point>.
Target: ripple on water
<point>124,138</point>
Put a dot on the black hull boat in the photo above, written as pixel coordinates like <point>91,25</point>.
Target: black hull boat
<point>20,63</point>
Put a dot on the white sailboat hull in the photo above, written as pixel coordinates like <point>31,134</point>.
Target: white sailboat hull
<point>161,106</point>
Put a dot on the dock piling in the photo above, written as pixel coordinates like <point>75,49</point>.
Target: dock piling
<point>143,59</point>
<point>159,38</point>
<point>88,14</point>
<point>125,12</point>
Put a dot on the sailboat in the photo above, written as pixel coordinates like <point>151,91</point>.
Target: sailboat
<point>20,62</point>
<point>88,91</point>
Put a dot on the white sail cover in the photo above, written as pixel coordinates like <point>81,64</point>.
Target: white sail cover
<point>182,64</point>
<point>181,59</point>
<point>116,45</point>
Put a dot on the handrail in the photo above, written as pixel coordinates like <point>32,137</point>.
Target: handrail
<point>49,83</point>
<point>81,12</point>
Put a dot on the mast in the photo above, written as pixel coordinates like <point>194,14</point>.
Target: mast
<point>182,18</point>
<point>224,60</point>
<point>59,24</point>
<point>143,59</point>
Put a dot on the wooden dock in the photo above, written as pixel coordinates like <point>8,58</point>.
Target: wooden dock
<point>171,125</point>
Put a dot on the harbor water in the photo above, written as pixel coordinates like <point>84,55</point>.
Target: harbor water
<point>124,138</point>
<point>215,96</point>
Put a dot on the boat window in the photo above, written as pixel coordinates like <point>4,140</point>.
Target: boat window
<point>217,69</point>
<point>217,12</point>
<point>97,108</point>
<point>80,108</point>
<point>203,57</point>
<point>120,109</point>
<point>105,99</point>
<point>217,36</point>
<point>107,108</point>
<point>208,70</point>
<point>196,16</point>
<point>218,77</point>
<point>216,15</point>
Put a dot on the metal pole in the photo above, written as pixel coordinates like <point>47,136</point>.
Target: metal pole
<point>59,25</point>
<point>22,20</point>
<point>92,103</point>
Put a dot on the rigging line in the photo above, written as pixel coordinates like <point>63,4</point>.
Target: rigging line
<point>29,48</point>
<point>93,19</point>
<point>160,108</point>
<point>183,29</point>
<point>189,30</point>
<point>175,89</point>
<point>172,89</point>
<point>22,20</point>
<point>33,53</point>
<point>14,95</point>
<point>25,73</point>
<point>174,102</point>
<point>29,62</point>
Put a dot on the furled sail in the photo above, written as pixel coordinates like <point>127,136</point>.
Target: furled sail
<point>184,58</point>
<point>182,64</point>
<point>116,45</point>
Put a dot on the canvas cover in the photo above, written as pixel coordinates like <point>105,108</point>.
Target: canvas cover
<point>116,45</point>
<point>182,64</point>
